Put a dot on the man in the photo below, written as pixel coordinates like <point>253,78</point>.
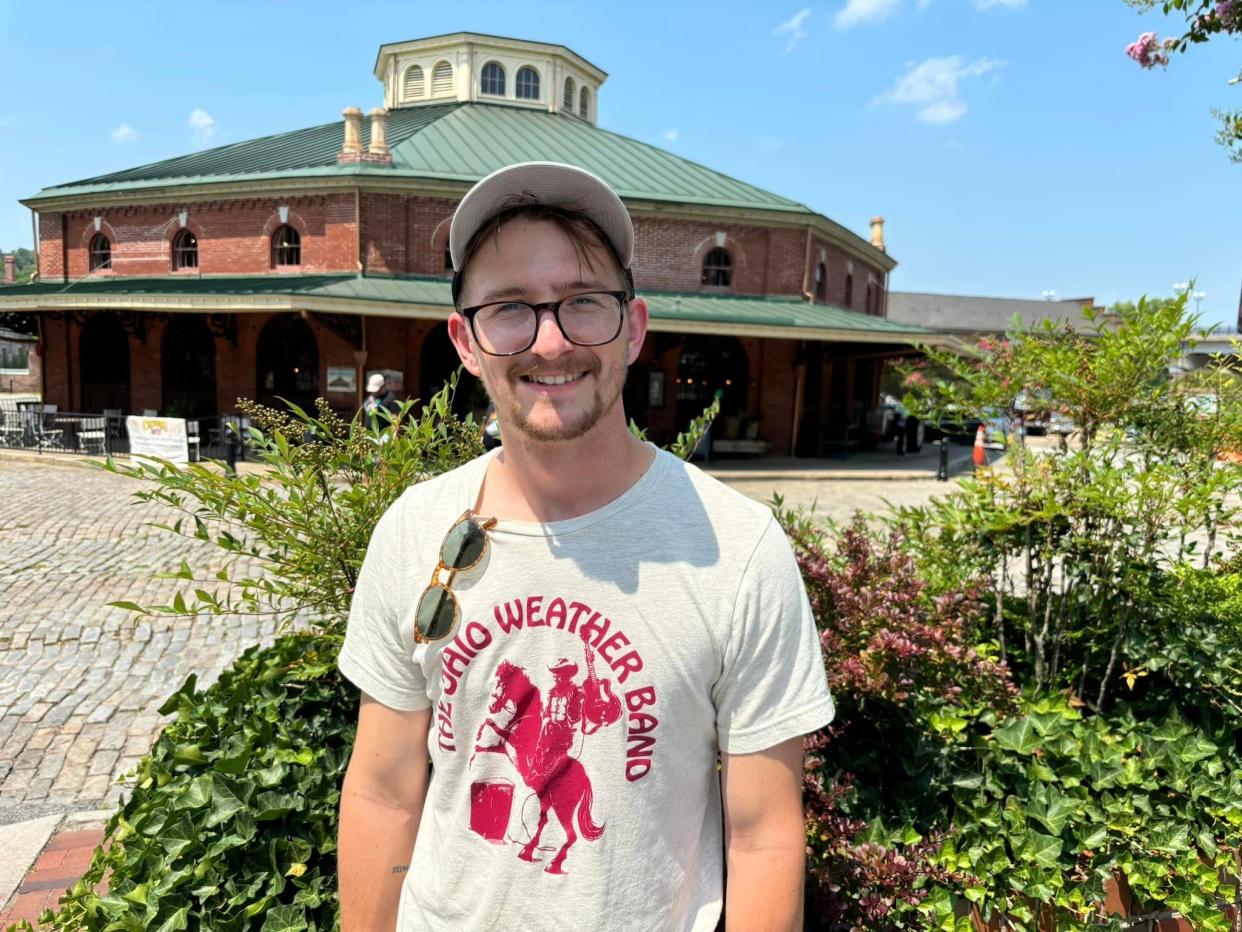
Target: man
<point>588,543</point>
<point>379,395</point>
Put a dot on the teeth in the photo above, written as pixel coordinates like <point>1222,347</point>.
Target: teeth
<point>554,379</point>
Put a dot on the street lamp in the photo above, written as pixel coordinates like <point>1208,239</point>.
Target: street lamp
<point>1198,296</point>
<point>1049,294</point>
<point>1181,287</point>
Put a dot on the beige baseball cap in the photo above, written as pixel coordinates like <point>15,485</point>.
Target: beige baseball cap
<point>551,183</point>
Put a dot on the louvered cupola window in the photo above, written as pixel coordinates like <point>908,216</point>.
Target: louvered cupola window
<point>414,85</point>
<point>584,103</point>
<point>493,79</point>
<point>528,83</point>
<point>442,80</point>
<point>100,252</point>
<point>569,95</point>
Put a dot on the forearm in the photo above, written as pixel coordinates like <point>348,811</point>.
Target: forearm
<point>763,890</point>
<point>374,843</point>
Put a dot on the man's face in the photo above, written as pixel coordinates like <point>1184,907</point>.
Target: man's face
<point>533,261</point>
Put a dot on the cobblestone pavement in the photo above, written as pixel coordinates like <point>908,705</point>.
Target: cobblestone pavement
<point>839,499</point>
<point>80,682</point>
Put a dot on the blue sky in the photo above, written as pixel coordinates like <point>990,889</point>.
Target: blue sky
<point>1011,146</point>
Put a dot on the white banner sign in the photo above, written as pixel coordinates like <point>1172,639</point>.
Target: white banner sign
<point>158,436</point>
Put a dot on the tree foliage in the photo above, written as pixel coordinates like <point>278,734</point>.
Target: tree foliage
<point>1204,20</point>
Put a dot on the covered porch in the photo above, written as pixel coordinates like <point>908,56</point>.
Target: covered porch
<point>796,378</point>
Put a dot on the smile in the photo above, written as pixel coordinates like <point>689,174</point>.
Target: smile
<point>553,379</point>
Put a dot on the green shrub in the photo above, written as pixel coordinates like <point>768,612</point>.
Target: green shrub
<point>232,821</point>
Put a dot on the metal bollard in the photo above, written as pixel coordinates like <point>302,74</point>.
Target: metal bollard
<point>942,471</point>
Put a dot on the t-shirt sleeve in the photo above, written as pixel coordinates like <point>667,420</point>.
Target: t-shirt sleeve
<point>773,685</point>
<point>377,655</point>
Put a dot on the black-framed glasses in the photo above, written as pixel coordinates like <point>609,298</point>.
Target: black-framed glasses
<point>463,547</point>
<point>506,328</point>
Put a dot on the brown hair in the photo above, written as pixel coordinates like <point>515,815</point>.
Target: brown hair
<point>580,229</point>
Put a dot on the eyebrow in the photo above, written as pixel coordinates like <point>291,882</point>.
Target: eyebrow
<point>518,291</point>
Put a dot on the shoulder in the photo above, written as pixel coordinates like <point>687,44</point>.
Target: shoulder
<point>731,515</point>
<point>435,501</point>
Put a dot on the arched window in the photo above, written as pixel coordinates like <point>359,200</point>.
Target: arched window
<point>413,86</point>
<point>584,103</point>
<point>100,252</point>
<point>286,246</point>
<point>493,79</point>
<point>185,250</point>
<point>442,79</point>
<point>849,289</point>
<point>528,83</point>
<point>717,268</point>
<point>569,95</point>
<point>821,283</point>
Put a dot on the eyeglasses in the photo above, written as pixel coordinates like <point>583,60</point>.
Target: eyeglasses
<point>507,328</point>
<point>463,547</point>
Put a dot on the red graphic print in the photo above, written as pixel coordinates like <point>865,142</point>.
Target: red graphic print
<point>539,739</point>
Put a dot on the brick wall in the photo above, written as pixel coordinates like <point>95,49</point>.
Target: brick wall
<point>403,235</point>
<point>234,237</point>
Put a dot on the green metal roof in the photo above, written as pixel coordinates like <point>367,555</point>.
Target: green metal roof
<point>451,142</point>
<point>771,311</point>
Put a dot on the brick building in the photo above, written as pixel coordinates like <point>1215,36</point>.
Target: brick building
<point>295,264</point>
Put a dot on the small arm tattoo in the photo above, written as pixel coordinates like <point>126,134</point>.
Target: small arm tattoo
<point>400,868</point>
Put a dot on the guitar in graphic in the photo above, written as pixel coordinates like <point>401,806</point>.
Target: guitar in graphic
<point>600,706</point>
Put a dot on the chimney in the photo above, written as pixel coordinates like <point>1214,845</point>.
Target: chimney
<point>877,233</point>
<point>9,263</point>
<point>378,149</point>
<point>351,148</point>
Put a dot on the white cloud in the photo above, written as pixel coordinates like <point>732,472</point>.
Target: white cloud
<point>933,87</point>
<point>1010,4</point>
<point>856,12</point>
<point>795,28</point>
<point>124,133</point>
<point>670,135</point>
<point>203,124</point>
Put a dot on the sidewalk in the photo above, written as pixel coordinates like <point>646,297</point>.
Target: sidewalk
<point>882,464</point>
<point>41,859</point>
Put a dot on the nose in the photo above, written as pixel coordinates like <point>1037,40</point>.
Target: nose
<point>549,341</point>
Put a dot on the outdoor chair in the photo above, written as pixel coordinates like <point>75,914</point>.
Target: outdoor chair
<point>11,428</point>
<point>93,435</point>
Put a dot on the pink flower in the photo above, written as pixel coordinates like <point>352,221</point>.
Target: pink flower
<point>1147,51</point>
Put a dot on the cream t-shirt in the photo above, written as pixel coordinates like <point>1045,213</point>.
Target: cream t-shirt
<point>598,667</point>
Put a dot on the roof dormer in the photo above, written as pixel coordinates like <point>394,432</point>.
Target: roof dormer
<point>469,67</point>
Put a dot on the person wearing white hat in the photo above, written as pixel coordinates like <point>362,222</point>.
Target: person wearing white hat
<point>681,598</point>
<point>378,396</point>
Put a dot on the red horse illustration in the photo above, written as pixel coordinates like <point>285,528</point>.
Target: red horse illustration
<point>559,781</point>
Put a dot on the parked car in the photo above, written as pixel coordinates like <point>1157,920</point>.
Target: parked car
<point>891,419</point>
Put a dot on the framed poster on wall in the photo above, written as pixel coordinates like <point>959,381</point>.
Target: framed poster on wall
<point>342,379</point>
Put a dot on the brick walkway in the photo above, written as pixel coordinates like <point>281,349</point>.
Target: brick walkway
<point>80,682</point>
<point>60,865</point>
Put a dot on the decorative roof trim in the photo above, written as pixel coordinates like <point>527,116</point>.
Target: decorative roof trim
<point>261,303</point>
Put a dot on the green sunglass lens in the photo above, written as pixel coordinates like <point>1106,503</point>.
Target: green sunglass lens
<point>436,612</point>
<point>463,545</point>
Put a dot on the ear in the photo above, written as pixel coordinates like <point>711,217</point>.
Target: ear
<point>463,342</point>
<point>637,330</point>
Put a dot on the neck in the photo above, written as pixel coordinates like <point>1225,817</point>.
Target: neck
<point>534,480</point>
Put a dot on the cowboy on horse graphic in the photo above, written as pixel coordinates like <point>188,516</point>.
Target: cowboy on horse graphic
<point>539,737</point>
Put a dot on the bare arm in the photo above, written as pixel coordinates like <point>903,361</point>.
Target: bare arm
<point>381,802</point>
<point>765,839</point>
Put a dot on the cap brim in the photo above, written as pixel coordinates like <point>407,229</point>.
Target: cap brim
<point>551,183</point>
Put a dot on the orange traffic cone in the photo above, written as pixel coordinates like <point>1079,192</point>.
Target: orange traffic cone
<point>980,455</point>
